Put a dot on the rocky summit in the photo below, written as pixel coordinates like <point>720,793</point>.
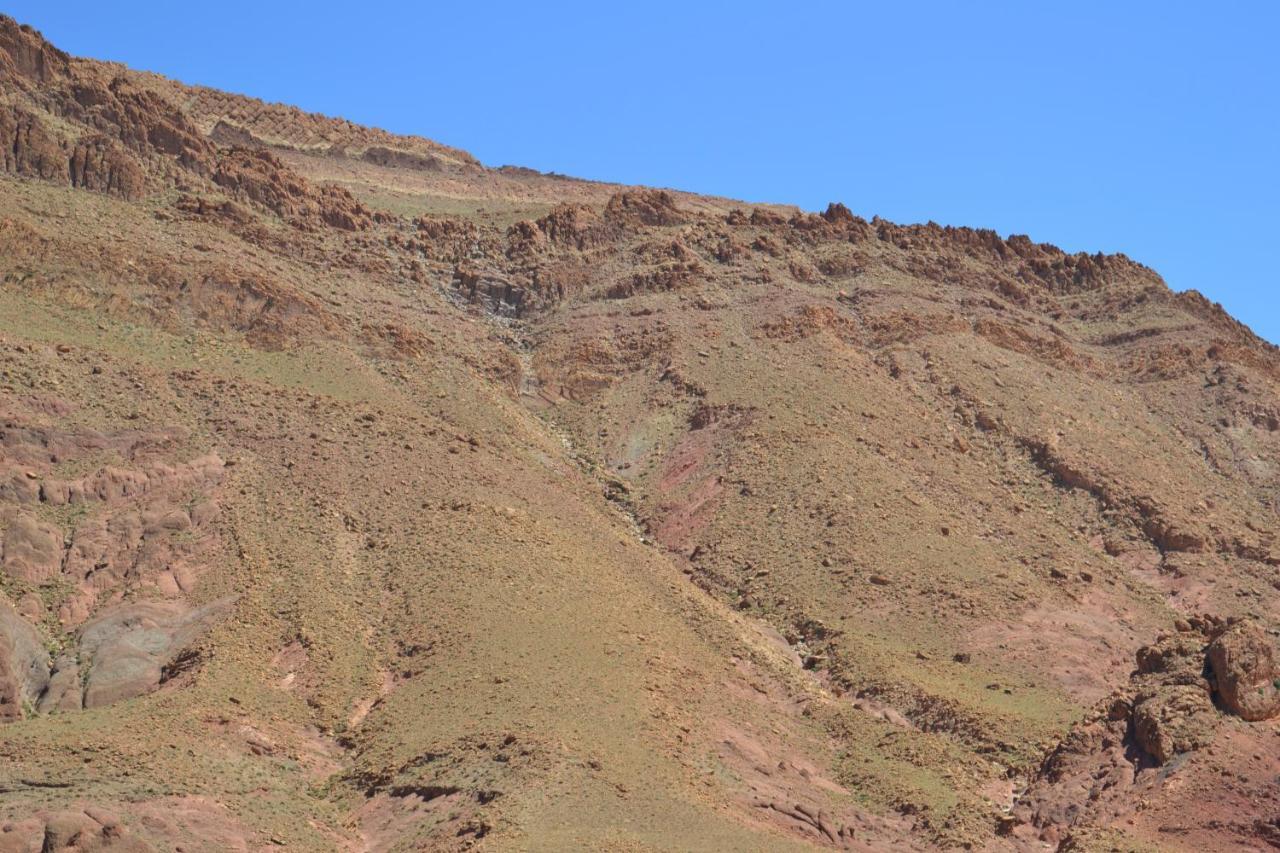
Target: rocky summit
<point>357,496</point>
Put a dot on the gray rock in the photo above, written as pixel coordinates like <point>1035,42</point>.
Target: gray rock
<point>125,649</point>
<point>65,691</point>
<point>24,664</point>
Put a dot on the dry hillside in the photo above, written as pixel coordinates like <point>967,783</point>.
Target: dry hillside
<point>356,496</point>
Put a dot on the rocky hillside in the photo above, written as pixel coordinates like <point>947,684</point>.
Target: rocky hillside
<point>355,495</point>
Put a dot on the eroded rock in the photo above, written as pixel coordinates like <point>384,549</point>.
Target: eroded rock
<point>126,649</point>
<point>81,830</point>
<point>32,549</point>
<point>1170,719</point>
<point>1243,661</point>
<point>24,664</point>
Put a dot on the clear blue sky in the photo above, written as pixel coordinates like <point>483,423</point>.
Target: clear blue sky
<point>1142,127</point>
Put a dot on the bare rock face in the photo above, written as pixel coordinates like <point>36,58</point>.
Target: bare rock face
<point>25,54</point>
<point>1243,661</point>
<point>259,176</point>
<point>65,690</point>
<point>28,148</point>
<point>80,829</point>
<point>127,648</point>
<point>32,549</point>
<point>99,164</point>
<point>95,163</point>
<point>122,570</point>
<point>24,664</point>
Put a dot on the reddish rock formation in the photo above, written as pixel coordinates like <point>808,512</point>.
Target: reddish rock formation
<point>257,175</point>
<point>24,667</point>
<point>1243,659</point>
<point>99,164</point>
<point>636,208</point>
<point>26,148</point>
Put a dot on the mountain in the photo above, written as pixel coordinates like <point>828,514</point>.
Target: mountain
<point>358,496</point>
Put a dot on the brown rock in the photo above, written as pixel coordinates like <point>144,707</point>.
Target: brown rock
<point>126,649</point>
<point>99,164</point>
<point>24,53</point>
<point>27,147</point>
<point>81,830</point>
<point>1179,659</point>
<point>259,176</point>
<point>1244,666</point>
<point>1170,719</point>
<point>644,207</point>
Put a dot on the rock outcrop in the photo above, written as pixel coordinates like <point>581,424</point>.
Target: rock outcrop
<point>1243,662</point>
<point>259,176</point>
<point>99,164</point>
<point>24,665</point>
<point>1134,738</point>
<point>27,148</point>
<point>86,829</point>
<point>141,529</point>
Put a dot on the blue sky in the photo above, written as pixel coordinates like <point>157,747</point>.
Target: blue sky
<point>1146,128</point>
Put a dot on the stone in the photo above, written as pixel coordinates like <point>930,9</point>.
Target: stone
<point>32,550</point>
<point>124,651</point>
<point>1170,719</point>
<point>24,665</point>
<point>1243,661</point>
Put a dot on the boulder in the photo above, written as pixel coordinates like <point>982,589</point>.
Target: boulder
<point>1243,661</point>
<point>1174,718</point>
<point>24,664</point>
<point>126,648</point>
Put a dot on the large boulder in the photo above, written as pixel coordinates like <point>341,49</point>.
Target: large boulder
<point>123,651</point>
<point>1243,660</point>
<point>24,665</point>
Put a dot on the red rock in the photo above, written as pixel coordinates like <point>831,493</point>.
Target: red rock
<point>1243,659</point>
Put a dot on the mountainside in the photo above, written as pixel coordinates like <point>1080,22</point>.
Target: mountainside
<point>355,495</point>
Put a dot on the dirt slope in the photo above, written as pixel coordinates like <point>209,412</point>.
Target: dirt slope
<point>354,495</point>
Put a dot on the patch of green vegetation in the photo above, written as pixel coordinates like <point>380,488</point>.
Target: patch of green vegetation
<point>320,367</point>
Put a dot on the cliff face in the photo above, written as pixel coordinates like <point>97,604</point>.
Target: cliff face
<point>354,495</point>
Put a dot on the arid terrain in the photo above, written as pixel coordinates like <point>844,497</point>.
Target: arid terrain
<point>357,496</point>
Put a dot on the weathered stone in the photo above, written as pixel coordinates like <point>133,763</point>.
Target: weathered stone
<point>32,550</point>
<point>1243,661</point>
<point>1170,719</point>
<point>24,664</point>
<point>125,649</point>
